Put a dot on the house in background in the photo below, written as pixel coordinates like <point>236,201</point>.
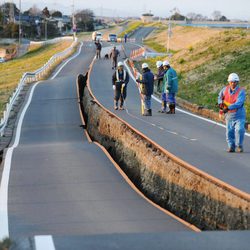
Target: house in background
<point>147,17</point>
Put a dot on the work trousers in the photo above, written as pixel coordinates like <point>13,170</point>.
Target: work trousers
<point>147,101</point>
<point>98,54</point>
<point>235,130</point>
<point>120,93</point>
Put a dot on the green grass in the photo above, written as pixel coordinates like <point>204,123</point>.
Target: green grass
<point>155,46</point>
<point>5,244</point>
<point>203,68</point>
<point>12,71</point>
<point>131,27</point>
<point>204,91</point>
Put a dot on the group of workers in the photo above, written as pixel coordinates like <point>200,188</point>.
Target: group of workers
<point>231,98</point>
<point>166,79</point>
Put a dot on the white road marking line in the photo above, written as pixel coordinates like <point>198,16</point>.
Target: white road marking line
<point>152,124</point>
<point>44,242</point>
<point>4,229</point>
<point>71,58</point>
<point>4,223</point>
<point>181,110</point>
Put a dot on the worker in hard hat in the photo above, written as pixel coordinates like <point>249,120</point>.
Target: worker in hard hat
<point>120,80</point>
<point>170,86</point>
<point>231,102</point>
<point>160,74</point>
<point>114,55</point>
<point>147,82</point>
<point>159,77</point>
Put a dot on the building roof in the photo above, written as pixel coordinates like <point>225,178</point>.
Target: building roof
<point>147,14</point>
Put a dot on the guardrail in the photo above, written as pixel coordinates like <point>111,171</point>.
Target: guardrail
<point>29,77</point>
<point>52,41</point>
<point>142,52</point>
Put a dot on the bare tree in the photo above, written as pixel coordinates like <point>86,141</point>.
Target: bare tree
<point>34,11</point>
<point>85,19</point>
<point>216,15</point>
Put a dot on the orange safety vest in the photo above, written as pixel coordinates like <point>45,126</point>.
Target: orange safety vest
<point>230,98</point>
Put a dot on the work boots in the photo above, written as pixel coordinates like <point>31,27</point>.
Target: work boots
<point>115,105</point>
<point>171,108</point>
<point>147,112</point>
<point>163,107</point>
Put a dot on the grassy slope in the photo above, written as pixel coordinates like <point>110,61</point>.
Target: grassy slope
<point>204,63</point>
<point>12,71</point>
<point>131,26</point>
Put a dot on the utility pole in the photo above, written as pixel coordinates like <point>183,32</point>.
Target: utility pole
<point>20,24</point>
<point>169,32</point>
<point>46,28</point>
<point>73,20</point>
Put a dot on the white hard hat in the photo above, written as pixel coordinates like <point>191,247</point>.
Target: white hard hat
<point>120,64</point>
<point>233,77</point>
<point>144,65</point>
<point>166,63</point>
<point>158,64</point>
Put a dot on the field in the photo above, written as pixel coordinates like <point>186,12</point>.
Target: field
<point>12,71</point>
<point>203,58</point>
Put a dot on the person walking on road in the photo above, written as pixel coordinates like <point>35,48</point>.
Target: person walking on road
<point>147,88</point>
<point>114,55</point>
<point>231,102</point>
<point>120,80</point>
<point>125,37</point>
<point>169,87</point>
<point>98,49</point>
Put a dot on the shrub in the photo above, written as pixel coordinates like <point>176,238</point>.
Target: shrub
<point>181,61</point>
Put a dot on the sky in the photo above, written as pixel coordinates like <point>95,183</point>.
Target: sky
<point>232,9</point>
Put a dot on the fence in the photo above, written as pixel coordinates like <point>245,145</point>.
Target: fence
<point>137,53</point>
<point>32,77</point>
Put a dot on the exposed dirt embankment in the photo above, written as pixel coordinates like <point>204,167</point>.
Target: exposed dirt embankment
<point>190,194</point>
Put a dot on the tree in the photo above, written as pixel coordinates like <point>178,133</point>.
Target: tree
<point>1,17</point>
<point>11,30</point>
<point>85,20</point>
<point>9,11</point>
<point>177,17</point>
<point>57,14</point>
<point>45,12</point>
<point>33,11</point>
<point>196,17</point>
<point>216,15</point>
<point>223,19</point>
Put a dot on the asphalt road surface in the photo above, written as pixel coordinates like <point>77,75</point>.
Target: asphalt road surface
<point>62,185</point>
<point>194,140</point>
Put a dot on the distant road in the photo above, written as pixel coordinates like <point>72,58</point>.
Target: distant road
<point>61,184</point>
<point>218,25</point>
<point>194,140</point>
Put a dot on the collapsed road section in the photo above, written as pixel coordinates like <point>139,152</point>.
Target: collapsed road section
<point>191,194</point>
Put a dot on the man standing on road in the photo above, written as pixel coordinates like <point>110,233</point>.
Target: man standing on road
<point>147,88</point>
<point>125,37</point>
<point>113,55</point>
<point>98,49</point>
<point>160,74</point>
<point>231,102</point>
<point>159,77</point>
<point>120,80</point>
<point>170,86</point>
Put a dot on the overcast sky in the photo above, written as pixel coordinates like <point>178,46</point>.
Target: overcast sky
<point>232,9</point>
